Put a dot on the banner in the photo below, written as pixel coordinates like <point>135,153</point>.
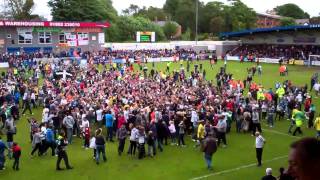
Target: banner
<point>46,29</point>
<point>54,24</point>
<point>4,65</point>
<point>101,38</point>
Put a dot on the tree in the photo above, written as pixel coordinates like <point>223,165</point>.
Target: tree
<point>153,13</point>
<point>212,20</point>
<point>82,10</point>
<point>287,21</point>
<point>170,29</point>
<point>186,36</point>
<point>171,6</point>
<point>291,10</point>
<point>132,9</point>
<point>129,25</point>
<point>18,9</point>
<point>240,16</point>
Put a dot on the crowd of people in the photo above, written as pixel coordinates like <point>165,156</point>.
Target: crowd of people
<point>251,52</point>
<point>149,108</point>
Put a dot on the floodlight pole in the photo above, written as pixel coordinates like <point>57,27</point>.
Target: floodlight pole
<point>197,14</point>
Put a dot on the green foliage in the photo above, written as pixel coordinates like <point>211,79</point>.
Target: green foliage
<point>214,17</point>
<point>241,16</point>
<point>129,25</point>
<point>153,13</point>
<point>82,10</point>
<point>170,29</point>
<point>287,21</point>
<point>291,10</point>
<point>19,9</point>
<point>186,36</point>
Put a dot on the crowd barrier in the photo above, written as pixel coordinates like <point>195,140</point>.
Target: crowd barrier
<point>4,65</point>
<point>276,61</point>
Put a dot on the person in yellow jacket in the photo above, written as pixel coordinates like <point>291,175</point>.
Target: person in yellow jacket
<point>280,91</point>
<point>292,120</point>
<point>260,95</point>
<point>317,126</point>
<point>201,132</point>
<point>299,117</point>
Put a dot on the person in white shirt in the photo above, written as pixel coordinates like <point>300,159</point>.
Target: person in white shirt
<point>99,116</point>
<point>133,139</point>
<point>260,141</point>
<point>126,114</point>
<point>194,120</point>
<point>45,115</point>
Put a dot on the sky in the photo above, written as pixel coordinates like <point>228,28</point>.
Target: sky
<point>261,6</point>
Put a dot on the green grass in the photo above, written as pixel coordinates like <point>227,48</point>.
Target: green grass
<point>174,162</point>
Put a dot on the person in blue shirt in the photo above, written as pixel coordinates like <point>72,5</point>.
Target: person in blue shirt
<point>3,147</point>
<point>109,125</point>
<point>50,141</point>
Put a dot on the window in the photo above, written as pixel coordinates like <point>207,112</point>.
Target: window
<point>45,38</point>
<point>25,37</point>
<point>62,38</point>
<point>8,36</point>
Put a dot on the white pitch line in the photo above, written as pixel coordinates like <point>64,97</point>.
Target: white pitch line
<point>238,168</point>
<point>280,133</point>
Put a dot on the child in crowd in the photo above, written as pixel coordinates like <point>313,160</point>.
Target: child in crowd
<point>150,142</point>
<point>16,150</point>
<point>182,127</point>
<point>93,146</point>
<point>173,131</point>
<point>86,135</point>
<point>141,142</point>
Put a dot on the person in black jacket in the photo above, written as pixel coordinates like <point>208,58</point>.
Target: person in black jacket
<point>62,143</point>
<point>100,146</point>
<point>162,133</point>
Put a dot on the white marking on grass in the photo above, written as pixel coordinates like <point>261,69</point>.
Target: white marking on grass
<point>238,168</point>
<point>281,133</point>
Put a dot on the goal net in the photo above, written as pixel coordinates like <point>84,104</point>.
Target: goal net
<point>314,60</point>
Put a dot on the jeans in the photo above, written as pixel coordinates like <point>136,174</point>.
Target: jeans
<point>238,126</point>
<point>270,120</point>
<point>16,163</point>
<point>160,144</point>
<point>181,139</point>
<point>101,149</point>
<point>69,135</point>
<point>173,138</point>
<point>121,145</point>
<point>151,150</point>
<point>132,148</point>
<point>222,136</point>
<point>10,144</point>
<point>208,159</point>
<point>293,122</point>
<point>109,133</point>
<point>2,160</point>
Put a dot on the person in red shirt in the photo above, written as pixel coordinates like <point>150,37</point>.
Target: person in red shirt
<point>16,150</point>
<point>86,137</point>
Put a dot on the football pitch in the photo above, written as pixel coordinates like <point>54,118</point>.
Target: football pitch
<point>237,161</point>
